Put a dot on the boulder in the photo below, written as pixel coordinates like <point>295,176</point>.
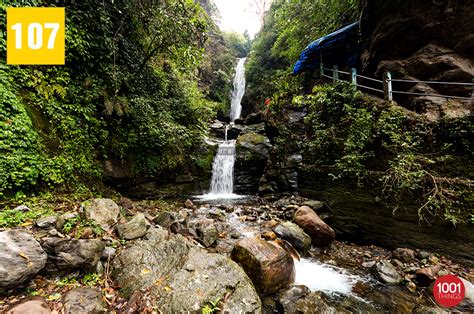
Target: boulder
<point>46,222</point>
<point>294,235</point>
<point>135,228</point>
<point>321,234</point>
<point>108,253</point>
<point>288,297</point>
<point>34,306</point>
<point>103,211</point>
<point>84,300</point>
<point>181,277</point>
<point>426,276</point>
<point>468,301</point>
<point>206,231</point>
<point>70,254</point>
<point>270,267</point>
<point>404,254</point>
<point>385,272</point>
<point>21,258</point>
<point>165,219</point>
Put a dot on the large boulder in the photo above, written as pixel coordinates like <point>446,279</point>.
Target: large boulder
<point>135,228</point>
<point>34,306</point>
<point>83,300</point>
<point>103,211</point>
<point>321,234</point>
<point>294,235</point>
<point>70,254</point>
<point>21,257</point>
<point>270,267</point>
<point>180,277</point>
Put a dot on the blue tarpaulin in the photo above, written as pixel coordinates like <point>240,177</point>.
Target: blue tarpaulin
<point>338,48</point>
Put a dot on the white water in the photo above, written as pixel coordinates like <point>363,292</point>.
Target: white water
<point>239,90</point>
<point>322,277</point>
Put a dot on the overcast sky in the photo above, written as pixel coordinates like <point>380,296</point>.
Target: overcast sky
<point>238,16</point>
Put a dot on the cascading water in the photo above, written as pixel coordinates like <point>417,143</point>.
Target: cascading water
<point>239,90</point>
<point>222,182</point>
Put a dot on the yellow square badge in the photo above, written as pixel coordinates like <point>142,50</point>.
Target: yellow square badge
<point>35,35</point>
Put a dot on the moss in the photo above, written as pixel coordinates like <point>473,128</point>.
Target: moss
<point>252,138</point>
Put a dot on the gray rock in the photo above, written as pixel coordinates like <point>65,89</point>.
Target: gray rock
<point>469,295</point>
<point>46,222</point>
<point>69,254</point>
<point>35,306</point>
<point>135,228</point>
<point>294,235</point>
<point>206,230</point>
<point>189,276</point>
<point>103,211</point>
<point>289,296</point>
<point>83,300</point>
<point>315,205</point>
<point>21,257</point>
<point>385,272</point>
<point>108,253</point>
<point>165,219</point>
<point>311,303</point>
<point>62,219</point>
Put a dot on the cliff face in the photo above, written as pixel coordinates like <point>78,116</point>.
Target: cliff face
<point>422,40</point>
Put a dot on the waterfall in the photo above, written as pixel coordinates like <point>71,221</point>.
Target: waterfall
<point>222,182</point>
<point>239,90</point>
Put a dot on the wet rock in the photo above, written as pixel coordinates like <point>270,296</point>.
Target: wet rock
<point>312,303</point>
<point>270,267</point>
<point>207,234</point>
<point>135,228</point>
<point>423,254</point>
<point>288,297</point>
<point>21,258</point>
<point>433,260</point>
<point>35,306</point>
<point>165,219</point>
<point>385,272</point>
<point>411,286</point>
<point>315,205</point>
<point>269,235</point>
<point>70,254</point>
<point>108,253</point>
<point>103,211</point>
<point>397,263</point>
<point>62,219</point>
<point>83,300</point>
<point>46,222</point>
<point>426,276</point>
<point>321,234</point>
<point>189,204</point>
<point>404,254</point>
<point>368,264</point>
<point>189,276</point>
<point>294,235</point>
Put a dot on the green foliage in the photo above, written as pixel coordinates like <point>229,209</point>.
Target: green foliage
<point>212,307</point>
<point>70,224</point>
<point>238,43</point>
<point>13,218</point>
<point>91,279</point>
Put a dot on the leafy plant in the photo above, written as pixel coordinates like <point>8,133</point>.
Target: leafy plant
<point>212,307</point>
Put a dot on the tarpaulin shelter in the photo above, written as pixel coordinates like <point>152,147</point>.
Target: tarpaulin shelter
<point>338,48</point>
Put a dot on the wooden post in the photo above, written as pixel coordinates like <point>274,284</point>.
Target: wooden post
<point>354,78</point>
<point>335,74</point>
<point>387,86</point>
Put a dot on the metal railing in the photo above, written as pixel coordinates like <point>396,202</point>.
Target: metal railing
<point>386,82</point>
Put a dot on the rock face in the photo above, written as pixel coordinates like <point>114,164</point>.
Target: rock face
<point>294,235</point>
<point>36,306</point>
<point>270,267</point>
<point>83,300</point>
<point>181,277</point>
<point>135,228</point>
<point>321,234</point>
<point>252,150</point>
<point>103,211</point>
<point>21,257</point>
<point>69,254</point>
<point>386,273</point>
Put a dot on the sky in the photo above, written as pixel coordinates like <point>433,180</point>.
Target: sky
<point>238,16</point>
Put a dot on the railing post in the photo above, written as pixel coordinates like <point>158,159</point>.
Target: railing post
<point>387,86</point>
<point>354,78</point>
<point>335,74</point>
<point>321,70</point>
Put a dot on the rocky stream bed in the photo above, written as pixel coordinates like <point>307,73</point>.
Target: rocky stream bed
<point>234,256</point>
